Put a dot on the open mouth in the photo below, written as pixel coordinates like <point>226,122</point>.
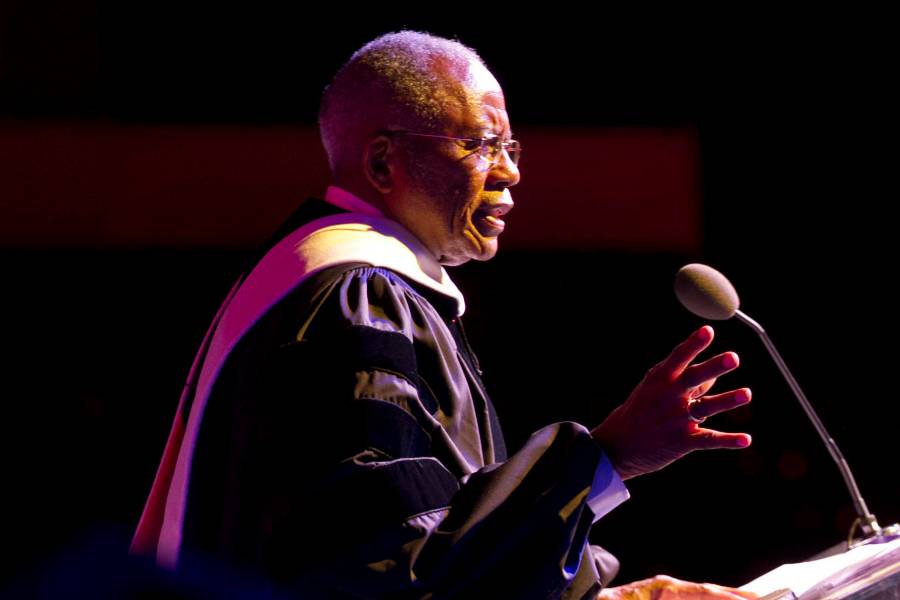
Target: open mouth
<point>487,222</point>
<point>488,217</point>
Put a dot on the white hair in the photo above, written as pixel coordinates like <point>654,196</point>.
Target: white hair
<point>396,81</point>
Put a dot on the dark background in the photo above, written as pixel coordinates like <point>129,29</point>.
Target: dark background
<point>797,129</point>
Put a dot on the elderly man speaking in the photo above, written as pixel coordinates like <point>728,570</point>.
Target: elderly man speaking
<point>335,433</point>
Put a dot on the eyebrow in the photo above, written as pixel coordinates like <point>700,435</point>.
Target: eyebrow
<point>487,130</point>
<point>500,135</point>
<point>490,131</point>
<point>488,126</point>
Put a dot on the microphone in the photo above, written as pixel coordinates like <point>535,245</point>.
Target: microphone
<point>708,294</point>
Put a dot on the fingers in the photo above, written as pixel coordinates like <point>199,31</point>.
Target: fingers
<point>708,406</point>
<point>683,590</point>
<point>701,389</point>
<point>663,587</point>
<point>711,590</point>
<point>710,439</point>
<point>700,591</point>
<point>697,375</point>
<point>685,352</point>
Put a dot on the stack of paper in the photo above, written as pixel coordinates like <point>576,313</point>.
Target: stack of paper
<point>835,576</point>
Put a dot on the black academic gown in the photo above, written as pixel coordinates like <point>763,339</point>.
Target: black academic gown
<point>347,448</point>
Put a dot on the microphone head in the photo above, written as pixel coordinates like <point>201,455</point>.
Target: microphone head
<point>706,292</point>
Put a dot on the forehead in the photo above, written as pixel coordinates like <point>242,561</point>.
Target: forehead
<point>478,77</point>
<point>485,106</point>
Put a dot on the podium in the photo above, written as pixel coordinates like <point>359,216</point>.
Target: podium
<point>867,572</point>
<point>883,588</point>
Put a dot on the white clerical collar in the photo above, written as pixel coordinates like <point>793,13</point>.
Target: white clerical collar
<point>367,235</point>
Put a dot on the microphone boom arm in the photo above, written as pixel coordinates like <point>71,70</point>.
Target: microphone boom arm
<point>868,523</point>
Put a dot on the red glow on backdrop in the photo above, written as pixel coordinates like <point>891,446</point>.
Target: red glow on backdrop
<point>108,185</point>
<point>618,189</point>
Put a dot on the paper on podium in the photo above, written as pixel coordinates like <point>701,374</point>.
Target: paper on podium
<point>813,579</point>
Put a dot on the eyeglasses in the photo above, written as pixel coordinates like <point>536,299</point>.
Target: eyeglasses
<point>488,147</point>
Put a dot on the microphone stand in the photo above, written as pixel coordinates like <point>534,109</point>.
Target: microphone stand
<point>871,530</point>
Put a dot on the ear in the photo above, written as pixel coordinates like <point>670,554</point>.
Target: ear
<point>378,164</point>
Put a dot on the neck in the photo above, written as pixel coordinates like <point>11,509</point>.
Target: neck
<point>364,192</point>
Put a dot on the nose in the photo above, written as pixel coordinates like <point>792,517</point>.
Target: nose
<point>504,172</point>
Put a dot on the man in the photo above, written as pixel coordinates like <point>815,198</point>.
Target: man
<point>335,433</point>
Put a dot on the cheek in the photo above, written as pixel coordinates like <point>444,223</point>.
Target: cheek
<point>466,201</point>
<point>468,194</point>
<point>454,189</point>
<point>459,198</point>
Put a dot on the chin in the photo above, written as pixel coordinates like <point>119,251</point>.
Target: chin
<point>453,260</point>
<point>490,251</point>
<point>480,250</point>
<point>487,251</point>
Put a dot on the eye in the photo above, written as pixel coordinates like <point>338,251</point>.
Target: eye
<point>494,141</point>
<point>514,150</point>
<point>472,145</point>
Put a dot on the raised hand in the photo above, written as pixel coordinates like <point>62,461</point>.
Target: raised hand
<point>660,421</point>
